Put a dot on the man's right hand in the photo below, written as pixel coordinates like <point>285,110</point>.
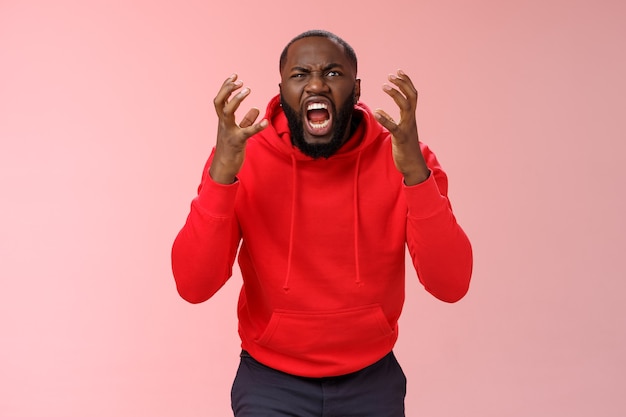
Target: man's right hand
<point>230,148</point>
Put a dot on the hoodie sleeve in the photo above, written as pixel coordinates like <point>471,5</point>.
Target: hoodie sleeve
<point>439,248</point>
<point>204,250</point>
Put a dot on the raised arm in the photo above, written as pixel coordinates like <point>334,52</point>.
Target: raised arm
<point>439,248</point>
<point>204,250</point>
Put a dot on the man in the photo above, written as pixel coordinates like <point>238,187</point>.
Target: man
<point>323,195</point>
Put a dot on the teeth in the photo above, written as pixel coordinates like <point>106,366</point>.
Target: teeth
<point>319,125</point>
<point>316,106</point>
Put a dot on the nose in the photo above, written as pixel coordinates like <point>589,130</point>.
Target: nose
<point>316,83</point>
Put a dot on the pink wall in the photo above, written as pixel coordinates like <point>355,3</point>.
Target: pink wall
<point>106,119</point>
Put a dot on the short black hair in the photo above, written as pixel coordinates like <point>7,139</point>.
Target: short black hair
<point>350,54</point>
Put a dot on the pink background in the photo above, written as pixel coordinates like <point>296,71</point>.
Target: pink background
<point>106,119</point>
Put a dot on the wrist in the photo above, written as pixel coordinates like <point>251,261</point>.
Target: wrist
<point>416,176</point>
<point>221,176</point>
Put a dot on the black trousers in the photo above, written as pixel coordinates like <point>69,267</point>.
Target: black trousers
<point>375,391</point>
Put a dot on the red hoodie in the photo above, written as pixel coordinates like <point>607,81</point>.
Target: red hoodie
<point>323,247</point>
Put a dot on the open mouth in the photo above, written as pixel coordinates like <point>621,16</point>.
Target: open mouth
<point>318,118</point>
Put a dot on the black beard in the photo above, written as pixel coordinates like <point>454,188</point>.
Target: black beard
<point>341,119</point>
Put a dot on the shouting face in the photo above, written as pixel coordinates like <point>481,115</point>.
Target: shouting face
<point>318,91</point>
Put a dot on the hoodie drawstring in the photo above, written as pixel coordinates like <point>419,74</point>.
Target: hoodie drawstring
<point>357,269</point>
<point>291,222</point>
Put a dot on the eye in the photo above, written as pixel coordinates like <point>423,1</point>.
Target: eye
<point>298,75</point>
<point>333,74</point>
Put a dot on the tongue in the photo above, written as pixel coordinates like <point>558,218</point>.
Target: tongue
<point>317,115</point>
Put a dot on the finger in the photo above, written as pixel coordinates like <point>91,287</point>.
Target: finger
<point>250,117</point>
<point>221,99</point>
<point>406,87</point>
<point>400,100</point>
<point>231,107</point>
<point>385,119</point>
<point>255,128</point>
<point>403,81</point>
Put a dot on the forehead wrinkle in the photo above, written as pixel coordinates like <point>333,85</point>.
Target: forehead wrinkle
<point>307,68</point>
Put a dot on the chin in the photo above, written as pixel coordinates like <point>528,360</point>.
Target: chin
<point>318,140</point>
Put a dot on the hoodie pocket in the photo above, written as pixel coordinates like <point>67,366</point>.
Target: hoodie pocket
<point>297,332</point>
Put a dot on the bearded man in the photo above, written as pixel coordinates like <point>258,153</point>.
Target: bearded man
<point>319,199</point>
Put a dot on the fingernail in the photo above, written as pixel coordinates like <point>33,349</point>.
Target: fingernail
<point>245,91</point>
<point>387,87</point>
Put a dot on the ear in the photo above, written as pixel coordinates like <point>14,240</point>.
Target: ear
<point>357,90</point>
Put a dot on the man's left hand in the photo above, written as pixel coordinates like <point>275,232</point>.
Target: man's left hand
<point>406,152</point>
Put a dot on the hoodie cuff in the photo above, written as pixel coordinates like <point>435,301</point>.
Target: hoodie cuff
<point>217,200</point>
<point>424,199</point>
